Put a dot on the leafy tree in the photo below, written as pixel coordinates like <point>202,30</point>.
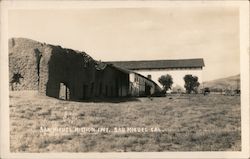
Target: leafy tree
<point>191,83</point>
<point>166,81</point>
<point>206,91</point>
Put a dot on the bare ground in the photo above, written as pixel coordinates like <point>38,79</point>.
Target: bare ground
<point>187,123</point>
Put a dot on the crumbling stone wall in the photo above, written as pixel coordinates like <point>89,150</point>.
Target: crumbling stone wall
<point>70,68</point>
<point>43,67</point>
<point>23,58</point>
<point>58,72</point>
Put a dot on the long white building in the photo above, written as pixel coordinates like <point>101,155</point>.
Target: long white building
<point>154,69</point>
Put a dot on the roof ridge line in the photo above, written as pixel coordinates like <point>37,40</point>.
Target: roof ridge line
<point>157,60</point>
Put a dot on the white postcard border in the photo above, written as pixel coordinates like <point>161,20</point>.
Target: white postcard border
<point>244,64</point>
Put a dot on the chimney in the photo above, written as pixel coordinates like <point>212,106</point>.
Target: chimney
<point>149,77</point>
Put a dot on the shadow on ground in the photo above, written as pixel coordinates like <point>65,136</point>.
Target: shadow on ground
<point>107,100</point>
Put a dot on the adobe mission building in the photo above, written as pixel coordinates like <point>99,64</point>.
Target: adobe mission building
<point>154,69</point>
<point>74,75</point>
<point>69,74</point>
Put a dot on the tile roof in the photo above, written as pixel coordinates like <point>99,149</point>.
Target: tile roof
<point>124,70</point>
<point>159,64</point>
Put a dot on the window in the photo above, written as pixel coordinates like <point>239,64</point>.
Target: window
<point>136,79</point>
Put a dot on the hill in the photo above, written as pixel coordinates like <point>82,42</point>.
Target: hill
<point>232,82</point>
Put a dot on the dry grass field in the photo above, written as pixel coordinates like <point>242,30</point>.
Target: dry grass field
<point>180,123</point>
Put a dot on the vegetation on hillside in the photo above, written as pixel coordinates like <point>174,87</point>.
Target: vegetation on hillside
<point>229,83</point>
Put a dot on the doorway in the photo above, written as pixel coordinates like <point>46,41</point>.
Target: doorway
<point>85,88</point>
<point>64,92</point>
<point>147,89</point>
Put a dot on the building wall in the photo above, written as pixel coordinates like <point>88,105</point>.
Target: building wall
<point>141,86</point>
<point>68,74</point>
<point>177,75</point>
<point>111,83</point>
<point>62,73</point>
<point>71,77</point>
<point>23,57</point>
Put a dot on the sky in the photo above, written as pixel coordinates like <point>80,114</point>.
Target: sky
<point>111,34</point>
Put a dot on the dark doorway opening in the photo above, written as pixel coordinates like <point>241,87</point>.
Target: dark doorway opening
<point>85,89</point>
<point>100,89</point>
<point>112,94</point>
<point>147,89</point>
<point>92,88</point>
<point>106,91</point>
<point>116,87</point>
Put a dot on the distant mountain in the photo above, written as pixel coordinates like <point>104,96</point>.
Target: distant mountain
<point>232,83</point>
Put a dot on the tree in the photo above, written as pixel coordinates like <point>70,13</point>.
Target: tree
<point>206,91</point>
<point>191,83</point>
<point>166,81</point>
<point>15,79</point>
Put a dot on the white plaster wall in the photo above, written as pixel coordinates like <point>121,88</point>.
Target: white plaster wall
<point>177,75</point>
<point>138,86</point>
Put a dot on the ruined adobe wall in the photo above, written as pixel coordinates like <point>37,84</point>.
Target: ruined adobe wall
<point>43,67</point>
<point>24,55</point>
<point>55,71</point>
<point>72,68</point>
